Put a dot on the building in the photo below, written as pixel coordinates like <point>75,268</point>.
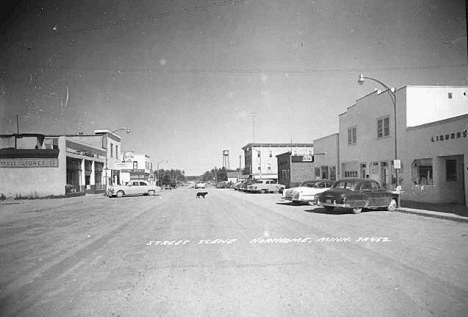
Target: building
<point>260,159</point>
<point>418,142</point>
<point>135,166</point>
<point>36,165</point>
<point>295,169</point>
<point>326,157</point>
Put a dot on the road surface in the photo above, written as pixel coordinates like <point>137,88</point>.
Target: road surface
<point>230,254</point>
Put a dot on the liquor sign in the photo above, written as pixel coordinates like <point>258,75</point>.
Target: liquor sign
<point>28,162</point>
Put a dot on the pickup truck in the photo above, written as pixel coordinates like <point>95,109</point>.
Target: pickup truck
<point>265,186</point>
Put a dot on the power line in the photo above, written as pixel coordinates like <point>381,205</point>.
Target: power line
<point>122,22</point>
<point>129,70</point>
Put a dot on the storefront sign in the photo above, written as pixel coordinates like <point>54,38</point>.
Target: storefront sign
<point>302,158</point>
<point>28,162</point>
<point>450,136</point>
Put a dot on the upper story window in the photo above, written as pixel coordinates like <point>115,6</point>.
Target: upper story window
<point>112,150</point>
<point>352,132</point>
<point>383,127</point>
<point>116,151</point>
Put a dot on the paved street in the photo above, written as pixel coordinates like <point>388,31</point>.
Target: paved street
<point>231,254</point>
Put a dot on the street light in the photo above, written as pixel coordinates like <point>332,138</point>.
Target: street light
<point>158,172</point>
<point>107,152</point>
<point>392,94</point>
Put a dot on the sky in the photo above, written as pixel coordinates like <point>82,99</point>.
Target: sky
<point>191,78</point>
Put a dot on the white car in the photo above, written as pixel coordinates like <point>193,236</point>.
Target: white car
<point>200,185</point>
<point>307,192</point>
<point>265,186</point>
<point>136,187</point>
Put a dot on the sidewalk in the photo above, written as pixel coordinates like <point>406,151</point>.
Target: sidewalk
<point>442,211</point>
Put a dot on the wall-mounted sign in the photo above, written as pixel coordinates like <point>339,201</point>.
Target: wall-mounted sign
<point>128,156</point>
<point>28,162</point>
<point>302,158</point>
<point>450,136</point>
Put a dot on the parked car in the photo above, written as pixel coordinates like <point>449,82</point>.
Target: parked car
<point>200,185</point>
<point>222,184</point>
<point>307,192</point>
<point>137,187</point>
<point>357,194</point>
<point>265,186</point>
<point>245,184</point>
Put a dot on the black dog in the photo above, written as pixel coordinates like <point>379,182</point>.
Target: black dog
<point>201,194</point>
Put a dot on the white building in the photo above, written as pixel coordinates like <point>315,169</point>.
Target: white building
<point>431,145</point>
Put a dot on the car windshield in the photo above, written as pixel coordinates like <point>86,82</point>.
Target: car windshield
<point>309,184</point>
<point>345,184</point>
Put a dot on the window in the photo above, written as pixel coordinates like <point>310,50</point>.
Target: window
<point>451,169</point>
<point>269,166</point>
<point>422,172</point>
<point>352,135</point>
<point>450,95</point>
<point>116,151</point>
<point>112,150</point>
<point>271,153</point>
<point>135,165</point>
<point>383,127</point>
<point>317,172</point>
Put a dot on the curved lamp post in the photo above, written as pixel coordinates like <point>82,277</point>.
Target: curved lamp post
<point>392,94</point>
<point>107,152</point>
<point>158,173</point>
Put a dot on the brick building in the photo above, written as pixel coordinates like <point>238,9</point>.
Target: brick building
<point>295,169</point>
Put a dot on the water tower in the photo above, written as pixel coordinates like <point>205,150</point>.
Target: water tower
<point>226,159</point>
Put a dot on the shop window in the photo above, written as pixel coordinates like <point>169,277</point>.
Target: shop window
<point>352,132</point>
<point>383,127</point>
<point>317,172</point>
<point>451,169</point>
<point>422,172</point>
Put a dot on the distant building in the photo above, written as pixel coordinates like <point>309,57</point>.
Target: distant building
<point>295,169</point>
<point>260,158</point>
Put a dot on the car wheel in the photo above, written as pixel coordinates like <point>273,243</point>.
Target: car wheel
<point>392,206</point>
<point>263,191</point>
<point>120,193</point>
<point>356,210</point>
<point>151,193</point>
<point>329,208</point>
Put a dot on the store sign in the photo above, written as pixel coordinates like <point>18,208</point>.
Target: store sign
<point>28,162</point>
<point>450,136</point>
<point>397,164</point>
<point>302,158</point>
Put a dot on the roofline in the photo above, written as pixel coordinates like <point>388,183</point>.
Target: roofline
<point>278,145</point>
<point>435,123</point>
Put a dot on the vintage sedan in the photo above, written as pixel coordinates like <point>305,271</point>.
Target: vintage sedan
<point>357,194</point>
<point>135,187</point>
<point>200,185</point>
<point>307,192</point>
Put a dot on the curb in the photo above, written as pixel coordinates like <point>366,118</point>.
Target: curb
<point>432,214</point>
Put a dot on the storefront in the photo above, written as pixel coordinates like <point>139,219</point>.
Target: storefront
<point>36,165</point>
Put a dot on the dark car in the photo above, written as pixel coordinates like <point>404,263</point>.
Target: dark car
<point>357,194</point>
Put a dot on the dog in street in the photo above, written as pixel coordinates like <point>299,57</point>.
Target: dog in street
<point>201,194</point>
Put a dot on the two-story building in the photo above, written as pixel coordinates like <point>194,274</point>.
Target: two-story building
<point>417,141</point>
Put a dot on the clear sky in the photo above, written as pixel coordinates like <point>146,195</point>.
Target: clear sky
<point>187,76</point>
